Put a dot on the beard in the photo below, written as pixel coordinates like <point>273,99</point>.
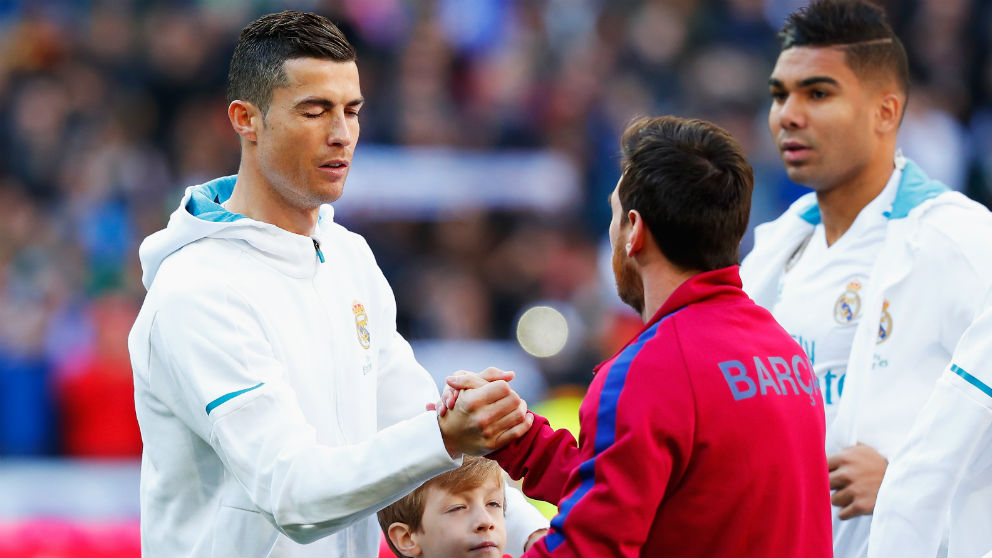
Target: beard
<point>630,287</point>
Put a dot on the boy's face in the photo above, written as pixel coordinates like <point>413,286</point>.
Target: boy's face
<point>469,523</point>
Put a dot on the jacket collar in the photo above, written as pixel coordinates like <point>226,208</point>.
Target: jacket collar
<point>699,287</point>
<point>915,187</point>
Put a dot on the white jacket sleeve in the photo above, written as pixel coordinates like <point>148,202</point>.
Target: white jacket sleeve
<point>215,344</point>
<point>943,449</point>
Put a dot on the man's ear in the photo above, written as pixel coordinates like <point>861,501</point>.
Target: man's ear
<point>635,240</point>
<point>403,540</point>
<point>890,112</point>
<point>245,119</point>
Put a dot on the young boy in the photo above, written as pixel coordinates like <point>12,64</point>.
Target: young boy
<point>458,513</point>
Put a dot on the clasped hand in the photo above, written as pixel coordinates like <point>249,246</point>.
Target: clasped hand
<point>480,413</point>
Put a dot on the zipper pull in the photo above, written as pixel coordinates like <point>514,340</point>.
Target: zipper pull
<point>316,246</point>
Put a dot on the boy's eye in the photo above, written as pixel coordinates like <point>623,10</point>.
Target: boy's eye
<point>451,509</point>
<point>496,504</point>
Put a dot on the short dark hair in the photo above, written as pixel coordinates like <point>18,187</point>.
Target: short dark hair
<point>691,183</point>
<point>266,43</point>
<point>870,46</point>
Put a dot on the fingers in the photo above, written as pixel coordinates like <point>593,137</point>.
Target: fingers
<point>847,513</point>
<point>448,397</point>
<point>507,421</point>
<point>490,402</point>
<point>842,498</point>
<point>839,479</point>
<point>463,379</point>
<point>858,506</point>
<point>492,374</point>
<point>514,433</point>
<point>834,461</point>
<point>466,381</point>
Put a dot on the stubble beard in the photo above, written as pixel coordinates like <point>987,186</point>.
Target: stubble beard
<point>630,287</point>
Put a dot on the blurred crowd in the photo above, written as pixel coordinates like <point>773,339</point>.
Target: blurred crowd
<point>109,109</point>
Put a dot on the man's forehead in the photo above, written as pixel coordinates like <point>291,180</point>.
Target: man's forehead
<point>302,71</point>
<point>335,82</point>
<point>799,63</point>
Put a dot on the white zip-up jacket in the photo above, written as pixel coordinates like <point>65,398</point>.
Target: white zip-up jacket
<point>941,481</point>
<point>925,288</point>
<point>279,407</point>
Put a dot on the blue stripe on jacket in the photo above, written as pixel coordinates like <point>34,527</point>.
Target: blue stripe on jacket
<point>606,430</point>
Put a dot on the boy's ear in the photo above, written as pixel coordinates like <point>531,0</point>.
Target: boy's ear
<point>403,540</point>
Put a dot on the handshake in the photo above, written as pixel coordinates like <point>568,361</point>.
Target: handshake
<point>480,413</point>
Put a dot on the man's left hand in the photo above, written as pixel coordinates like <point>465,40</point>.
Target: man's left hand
<point>855,475</point>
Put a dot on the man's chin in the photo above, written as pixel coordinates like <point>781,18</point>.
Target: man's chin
<point>801,174</point>
<point>331,193</point>
<point>635,302</point>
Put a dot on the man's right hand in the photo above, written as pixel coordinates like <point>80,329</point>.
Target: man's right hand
<point>486,415</point>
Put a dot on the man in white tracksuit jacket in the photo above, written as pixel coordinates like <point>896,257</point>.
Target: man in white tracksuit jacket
<point>930,276</point>
<point>941,480</point>
<point>279,407</point>
<point>880,270</point>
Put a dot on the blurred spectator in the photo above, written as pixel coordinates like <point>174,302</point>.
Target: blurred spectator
<point>96,390</point>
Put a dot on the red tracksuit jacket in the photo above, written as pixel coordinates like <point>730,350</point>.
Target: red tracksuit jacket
<point>703,436</point>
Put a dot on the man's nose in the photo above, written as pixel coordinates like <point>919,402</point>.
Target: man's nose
<point>791,113</point>
<point>340,132</point>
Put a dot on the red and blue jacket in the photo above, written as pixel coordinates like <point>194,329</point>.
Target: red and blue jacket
<point>703,436</point>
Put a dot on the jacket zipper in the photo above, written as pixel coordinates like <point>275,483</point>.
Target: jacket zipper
<point>316,246</point>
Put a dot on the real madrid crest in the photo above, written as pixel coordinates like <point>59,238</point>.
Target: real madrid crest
<point>884,324</point>
<point>848,305</point>
<point>362,324</point>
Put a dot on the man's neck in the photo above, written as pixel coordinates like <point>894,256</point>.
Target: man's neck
<point>255,199</point>
<point>840,206</point>
<point>660,280</point>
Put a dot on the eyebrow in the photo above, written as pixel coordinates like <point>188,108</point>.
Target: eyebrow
<point>772,82</point>
<point>320,102</point>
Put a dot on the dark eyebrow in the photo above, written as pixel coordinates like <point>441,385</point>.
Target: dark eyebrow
<point>324,103</point>
<point>772,82</point>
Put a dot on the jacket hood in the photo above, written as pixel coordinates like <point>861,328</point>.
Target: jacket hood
<point>200,215</point>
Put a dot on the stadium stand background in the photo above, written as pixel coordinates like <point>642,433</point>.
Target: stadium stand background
<point>489,145</point>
